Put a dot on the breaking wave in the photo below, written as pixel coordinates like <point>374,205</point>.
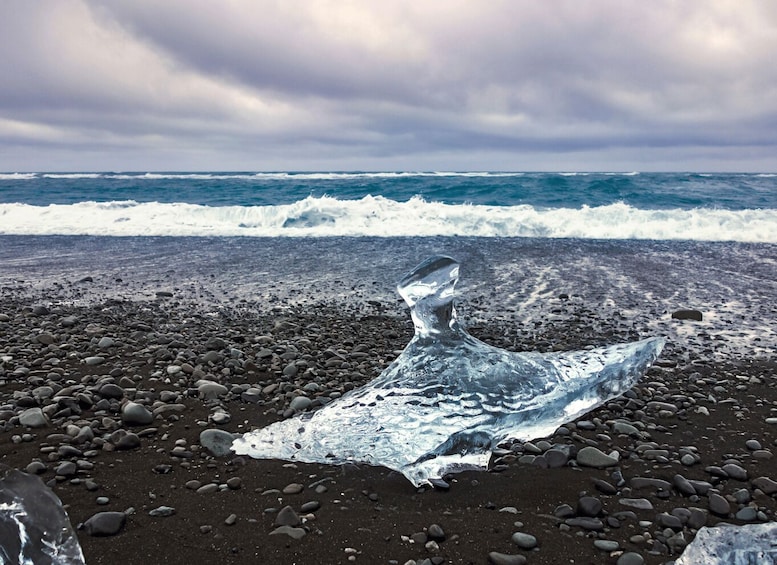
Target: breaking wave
<point>380,216</point>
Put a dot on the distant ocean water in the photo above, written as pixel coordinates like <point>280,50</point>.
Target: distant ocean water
<point>654,206</point>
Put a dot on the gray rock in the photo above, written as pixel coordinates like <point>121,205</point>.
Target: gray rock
<point>555,458</point>
<point>589,506</point>
<point>694,315</point>
<point>524,541</point>
<point>735,471</point>
<point>105,343</point>
<point>209,390</point>
<point>66,469</point>
<point>496,558</point>
<point>630,558</point>
<point>638,503</point>
<point>606,545</point>
<point>300,403</point>
<point>134,414</point>
<point>293,488</point>
<point>94,360</point>
<point>767,485</point>
<point>287,517</point>
<point>718,505</point>
<point>294,533</point>
<point>111,390</point>
<point>105,523</point>
<point>586,523</point>
<point>128,441</point>
<point>683,486</point>
<point>162,512</point>
<point>33,418</point>
<point>747,514</point>
<point>590,456</point>
<point>435,532</point>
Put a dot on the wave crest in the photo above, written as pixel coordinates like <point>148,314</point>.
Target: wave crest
<point>383,217</point>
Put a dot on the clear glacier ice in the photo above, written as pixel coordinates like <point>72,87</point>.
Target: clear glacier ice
<point>725,544</point>
<point>449,399</point>
<point>34,527</point>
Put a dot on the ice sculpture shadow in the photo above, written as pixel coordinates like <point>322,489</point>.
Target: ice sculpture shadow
<point>34,527</point>
<point>449,398</point>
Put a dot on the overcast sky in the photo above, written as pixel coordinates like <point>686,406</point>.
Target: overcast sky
<point>388,85</point>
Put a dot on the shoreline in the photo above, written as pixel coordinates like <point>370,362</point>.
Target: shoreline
<point>689,416</point>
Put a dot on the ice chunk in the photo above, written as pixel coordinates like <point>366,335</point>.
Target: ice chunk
<point>449,399</point>
<point>725,544</point>
<point>34,527</point>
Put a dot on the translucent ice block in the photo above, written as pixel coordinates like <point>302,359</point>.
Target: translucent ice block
<point>751,544</point>
<point>34,527</point>
<point>449,399</point>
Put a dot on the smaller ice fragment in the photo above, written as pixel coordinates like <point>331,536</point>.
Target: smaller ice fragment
<point>449,399</point>
<point>34,527</point>
<point>726,544</point>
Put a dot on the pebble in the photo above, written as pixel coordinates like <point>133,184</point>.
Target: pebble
<point>217,442</point>
<point>630,558</point>
<point>287,517</point>
<point>524,541</point>
<point>105,523</point>
<point>606,545</point>
<point>589,506</point>
<point>294,533</point>
<point>590,456</point>
<point>208,390</point>
<point>436,532</point>
<point>134,414</point>
<point>162,512</point>
<point>719,505</point>
<point>293,488</point>
<point>496,558</point>
<point>300,403</point>
<point>33,418</point>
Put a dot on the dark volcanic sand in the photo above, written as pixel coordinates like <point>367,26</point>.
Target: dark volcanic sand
<point>706,407</point>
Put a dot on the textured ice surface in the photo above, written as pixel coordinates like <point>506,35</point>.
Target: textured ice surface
<point>752,544</point>
<point>34,527</point>
<point>449,399</point>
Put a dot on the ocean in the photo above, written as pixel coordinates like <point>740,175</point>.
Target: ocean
<point>632,247</point>
<point>671,206</point>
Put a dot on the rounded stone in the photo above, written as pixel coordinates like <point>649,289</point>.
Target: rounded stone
<point>218,442</point>
<point>300,403</point>
<point>33,418</point>
<point>134,414</point>
<point>496,558</point>
<point>436,532</point>
<point>287,517</point>
<point>293,488</point>
<point>630,558</point>
<point>589,506</point>
<point>590,456</point>
<point>524,541</point>
<point>128,441</point>
<point>162,512</point>
<point>606,545</point>
<point>211,391</point>
<point>105,523</point>
<point>719,505</point>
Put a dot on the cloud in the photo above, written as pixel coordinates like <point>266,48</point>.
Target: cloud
<point>345,84</point>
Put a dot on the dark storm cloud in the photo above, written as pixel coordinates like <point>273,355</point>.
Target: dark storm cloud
<point>397,84</point>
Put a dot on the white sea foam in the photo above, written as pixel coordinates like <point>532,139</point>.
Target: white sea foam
<point>72,175</point>
<point>17,176</point>
<point>379,216</point>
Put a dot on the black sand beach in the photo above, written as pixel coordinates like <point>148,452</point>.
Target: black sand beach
<point>694,440</point>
